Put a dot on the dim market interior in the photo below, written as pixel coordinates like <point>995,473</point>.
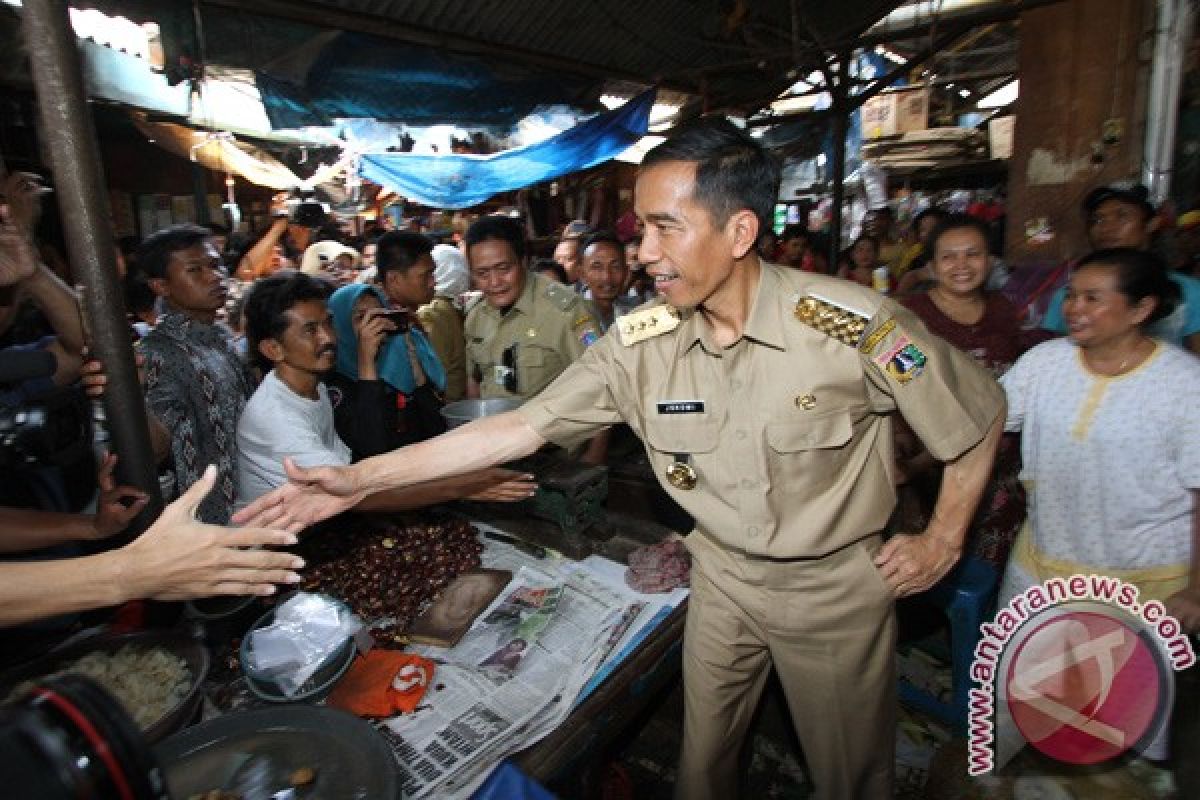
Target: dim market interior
<point>605,400</point>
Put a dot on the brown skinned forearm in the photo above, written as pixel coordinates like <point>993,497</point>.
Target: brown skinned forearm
<point>431,492</point>
<point>963,482</point>
<point>22,530</point>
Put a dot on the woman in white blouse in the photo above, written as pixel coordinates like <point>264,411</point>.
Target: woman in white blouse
<point>1111,441</point>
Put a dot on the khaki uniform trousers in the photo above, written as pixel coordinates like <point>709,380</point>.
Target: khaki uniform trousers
<point>828,625</point>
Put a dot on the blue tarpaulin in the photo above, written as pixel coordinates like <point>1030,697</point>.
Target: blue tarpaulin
<point>359,76</point>
<point>461,181</point>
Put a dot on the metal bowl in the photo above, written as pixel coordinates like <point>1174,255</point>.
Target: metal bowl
<point>315,689</point>
<point>192,651</point>
<point>351,759</point>
<point>464,411</point>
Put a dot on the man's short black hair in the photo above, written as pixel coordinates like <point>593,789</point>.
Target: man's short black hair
<point>503,229</point>
<point>550,265</point>
<point>733,170</point>
<point>269,301</point>
<point>156,250</point>
<point>398,251</point>
<point>602,237</point>
<point>1134,194</point>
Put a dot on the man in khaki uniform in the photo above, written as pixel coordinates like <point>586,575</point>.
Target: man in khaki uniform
<point>763,395</point>
<point>528,329</point>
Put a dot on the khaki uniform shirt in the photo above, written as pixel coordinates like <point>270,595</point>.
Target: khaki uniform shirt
<point>444,326</point>
<point>788,430</point>
<point>550,325</point>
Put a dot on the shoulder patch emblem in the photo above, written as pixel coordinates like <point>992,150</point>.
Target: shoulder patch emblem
<point>646,324</point>
<point>903,360</point>
<point>588,338</point>
<point>832,319</point>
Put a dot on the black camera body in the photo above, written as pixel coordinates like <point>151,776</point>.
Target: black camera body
<point>54,431</point>
<point>400,318</point>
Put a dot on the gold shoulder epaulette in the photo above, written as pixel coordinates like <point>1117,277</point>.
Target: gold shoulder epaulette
<point>832,319</point>
<point>647,323</point>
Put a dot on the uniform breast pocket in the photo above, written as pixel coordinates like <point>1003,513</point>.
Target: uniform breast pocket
<point>812,451</point>
<point>537,366</point>
<point>691,441</point>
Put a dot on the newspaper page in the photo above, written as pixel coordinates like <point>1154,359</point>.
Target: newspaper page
<point>511,679</point>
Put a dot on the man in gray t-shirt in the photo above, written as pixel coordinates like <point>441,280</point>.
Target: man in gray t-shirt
<point>289,416</point>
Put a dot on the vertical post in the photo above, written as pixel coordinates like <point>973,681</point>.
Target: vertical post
<point>839,114</point>
<point>200,194</point>
<point>70,139</point>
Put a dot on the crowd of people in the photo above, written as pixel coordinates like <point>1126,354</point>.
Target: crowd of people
<point>784,407</point>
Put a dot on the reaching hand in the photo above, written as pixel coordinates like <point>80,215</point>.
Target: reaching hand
<point>18,261</point>
<point>1184,606</point>
<point>513,487</point>
<point>92,376</point>
<point>113,513</point>
<point>23,192</point>
<point>311,495</point>
<point>179,558</point>
<point>911,563</point>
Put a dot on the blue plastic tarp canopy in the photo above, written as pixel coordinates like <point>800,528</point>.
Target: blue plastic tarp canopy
<point>461,181</point>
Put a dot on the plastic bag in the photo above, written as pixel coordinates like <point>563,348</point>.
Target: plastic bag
<point>306,631</point>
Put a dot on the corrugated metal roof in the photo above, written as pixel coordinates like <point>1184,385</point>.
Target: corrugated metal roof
<point>720,44</point>
<point>731,52</point>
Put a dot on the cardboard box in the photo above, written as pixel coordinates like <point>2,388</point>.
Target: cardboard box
<point>1000,136</point>
<point>895,111</point>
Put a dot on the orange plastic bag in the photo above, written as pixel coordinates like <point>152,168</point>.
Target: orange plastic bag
<point>383,683</point>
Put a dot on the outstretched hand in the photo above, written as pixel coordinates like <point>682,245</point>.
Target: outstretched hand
<point>510,487</point>
<point>1184,606</point>
<point>179,558</point>
<point>18,261</point>
<point>310,495</point>
<point>911,563</point>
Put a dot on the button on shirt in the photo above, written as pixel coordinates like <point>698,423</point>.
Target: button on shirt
<point>788,429</point>
<point>550,325</point>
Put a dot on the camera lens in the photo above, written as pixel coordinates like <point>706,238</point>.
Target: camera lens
<point>68,738</point>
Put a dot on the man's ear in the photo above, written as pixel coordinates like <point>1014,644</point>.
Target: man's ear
<point>271,350</point>
<point>742,229</point>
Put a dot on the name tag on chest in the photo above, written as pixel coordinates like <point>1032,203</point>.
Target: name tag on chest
<point>681,407</point>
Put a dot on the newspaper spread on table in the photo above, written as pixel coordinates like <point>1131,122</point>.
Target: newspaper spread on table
<point>517,673</point>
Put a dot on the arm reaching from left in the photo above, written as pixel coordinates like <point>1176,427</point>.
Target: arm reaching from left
<point>177,558</point>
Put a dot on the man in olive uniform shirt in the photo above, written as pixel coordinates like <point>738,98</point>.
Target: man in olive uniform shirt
<point>764,397</point>
<point>528,329</point>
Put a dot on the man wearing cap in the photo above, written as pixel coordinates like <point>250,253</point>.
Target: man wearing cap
<point>1121,215</point>
<point>764,396</point>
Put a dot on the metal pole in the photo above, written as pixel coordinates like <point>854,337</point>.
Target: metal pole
<point>839,115</point>
<point>70,139</point>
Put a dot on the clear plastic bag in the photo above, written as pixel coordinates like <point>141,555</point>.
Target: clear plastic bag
<point>306,631</point>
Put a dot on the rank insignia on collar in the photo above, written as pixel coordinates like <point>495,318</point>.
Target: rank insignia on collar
<point>646,324</point>
<point>832,319</point>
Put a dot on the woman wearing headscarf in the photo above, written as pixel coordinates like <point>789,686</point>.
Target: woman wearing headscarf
<point>443,317</point>
<point>386,384</point>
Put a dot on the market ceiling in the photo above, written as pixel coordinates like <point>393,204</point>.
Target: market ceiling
<point>730,53</point>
